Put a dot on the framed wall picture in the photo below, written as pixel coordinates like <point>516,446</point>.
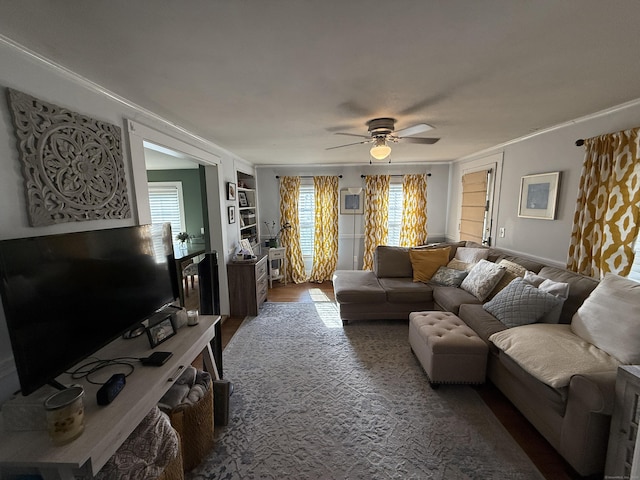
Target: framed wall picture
<point>242,199</point>
<point>161,331</point>
<point>351,203</point>
<point>538,196</point>
<point>231,211</point>
<point>231,191</point>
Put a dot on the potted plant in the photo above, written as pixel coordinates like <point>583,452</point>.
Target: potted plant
<point>274,239</point>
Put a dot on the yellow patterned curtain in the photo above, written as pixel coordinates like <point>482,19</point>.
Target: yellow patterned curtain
<point>376,216</point>
<point>605,222</point>
<point>290,238</point>
<point>413,231</point>
<point>325,243</point>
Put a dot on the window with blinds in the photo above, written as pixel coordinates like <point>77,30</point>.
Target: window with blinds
<point>473,216</point>
<point>395,214</point>
<point>167,205</point>
<point>306,215</point>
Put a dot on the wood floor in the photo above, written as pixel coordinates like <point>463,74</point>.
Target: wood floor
<point>548,461</point>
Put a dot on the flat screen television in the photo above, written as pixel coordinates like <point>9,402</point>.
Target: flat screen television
<point>66,296</point>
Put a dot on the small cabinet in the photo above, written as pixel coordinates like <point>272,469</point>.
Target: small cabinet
<point>623,456</point>
<point>247,286</point>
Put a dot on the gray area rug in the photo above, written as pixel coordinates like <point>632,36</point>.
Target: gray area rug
<point>316,400</point>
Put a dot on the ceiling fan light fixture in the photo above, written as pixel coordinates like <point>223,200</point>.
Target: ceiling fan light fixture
<point>380,150</point>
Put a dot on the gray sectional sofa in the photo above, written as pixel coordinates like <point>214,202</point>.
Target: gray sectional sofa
<point>572,413</point>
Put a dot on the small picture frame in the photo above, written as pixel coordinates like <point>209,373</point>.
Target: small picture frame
<point>161,331</point>
<point>242,199</point>
<point>231,212</point>
<point>538,196</point>
<point>231,191</point>
<point>351,203</point>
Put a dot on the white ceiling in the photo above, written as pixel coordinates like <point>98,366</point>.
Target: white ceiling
<point>273,80</point>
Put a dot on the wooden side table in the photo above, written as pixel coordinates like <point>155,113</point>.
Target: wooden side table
<point>278,255</point>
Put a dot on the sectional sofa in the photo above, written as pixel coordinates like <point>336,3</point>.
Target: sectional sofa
<point>558,369</point>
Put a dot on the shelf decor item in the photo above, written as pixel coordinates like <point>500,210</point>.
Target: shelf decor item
<point>242,199</point>
<point>538,195</point>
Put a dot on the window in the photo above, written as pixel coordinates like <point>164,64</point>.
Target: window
<point>395,214</point>
<point>167,205</point>
<point>306,214</point>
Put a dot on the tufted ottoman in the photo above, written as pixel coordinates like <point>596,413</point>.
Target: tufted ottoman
<point>448,350</point>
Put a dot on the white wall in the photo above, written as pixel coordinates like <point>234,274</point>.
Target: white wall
<point>437,194</point>
<point>33,76</point>
<point>553,150</point>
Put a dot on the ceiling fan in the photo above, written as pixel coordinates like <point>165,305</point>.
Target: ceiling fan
<point>382,132</point>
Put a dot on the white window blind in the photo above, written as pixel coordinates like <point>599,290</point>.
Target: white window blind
<point>473,216</point>
<point>306,214</point>
<point>395,214</point>
<point>167,205</point>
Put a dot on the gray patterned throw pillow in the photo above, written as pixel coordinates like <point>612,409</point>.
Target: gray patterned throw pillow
<point>520,303</point>
<point>482,278</point>
<point>449,277</point>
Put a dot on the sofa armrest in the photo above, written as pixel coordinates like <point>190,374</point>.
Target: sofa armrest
<point>596,391</point>
<point>587,419</point>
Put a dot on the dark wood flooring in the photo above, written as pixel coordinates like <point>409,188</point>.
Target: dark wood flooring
<point>543,455</point>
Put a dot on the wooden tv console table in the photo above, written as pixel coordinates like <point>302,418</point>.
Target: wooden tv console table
<point>106,427</point>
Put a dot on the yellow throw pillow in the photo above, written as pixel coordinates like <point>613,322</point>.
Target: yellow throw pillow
<point>425,262</point>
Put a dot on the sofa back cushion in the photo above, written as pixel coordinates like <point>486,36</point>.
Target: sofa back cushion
<point>609,318</point>
<point>392,262</point>
<point>580,286</point>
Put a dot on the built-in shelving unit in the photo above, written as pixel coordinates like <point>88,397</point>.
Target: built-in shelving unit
<point>248,210</point>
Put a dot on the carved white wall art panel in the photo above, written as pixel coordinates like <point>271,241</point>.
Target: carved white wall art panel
<point>72,164</point>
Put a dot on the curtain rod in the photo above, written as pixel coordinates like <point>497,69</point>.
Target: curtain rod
<point>579,142</point>
<point>308,176</point>
<point>398,175</point>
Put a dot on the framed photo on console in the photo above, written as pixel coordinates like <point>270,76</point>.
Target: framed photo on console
<point>161,331</point>
<point>538,196</point>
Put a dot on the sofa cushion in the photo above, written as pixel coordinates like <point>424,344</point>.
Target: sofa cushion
<point>357,286</point>
<point>449,299</point>
<point>405,290</point>
<point>425,262</point>
<point>520,303</point>
<point>449,277</point>
<point>481,321</point>
<point>391,262</point>
<point>482,278</point>
<point>460,265</point>
<point>471,255</point>
<point>609,318</point>
<point>552,353</point>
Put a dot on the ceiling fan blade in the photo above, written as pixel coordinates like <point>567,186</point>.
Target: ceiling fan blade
<point>348,145</point>
<point>353,135</point>
<point>419,128</point>
<point>424,141</point>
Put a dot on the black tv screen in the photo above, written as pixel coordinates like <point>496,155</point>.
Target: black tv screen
<point>66,296</point>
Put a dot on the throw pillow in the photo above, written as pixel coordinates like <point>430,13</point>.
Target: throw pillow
<point>460,265</point>
<point>426,262</point>
<point>512,271</point>
<point>533,279</point>
<point>482,278</point>
<point>471,255</point>
<point>561,291</point>
<point>520,303</point>
<point>449,277</point>
<point>609,318</point>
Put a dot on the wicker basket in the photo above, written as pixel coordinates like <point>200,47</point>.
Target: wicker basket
<point>174,470</point>
<point>194,425</point>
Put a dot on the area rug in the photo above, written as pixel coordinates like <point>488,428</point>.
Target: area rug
<point>315,400</point>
